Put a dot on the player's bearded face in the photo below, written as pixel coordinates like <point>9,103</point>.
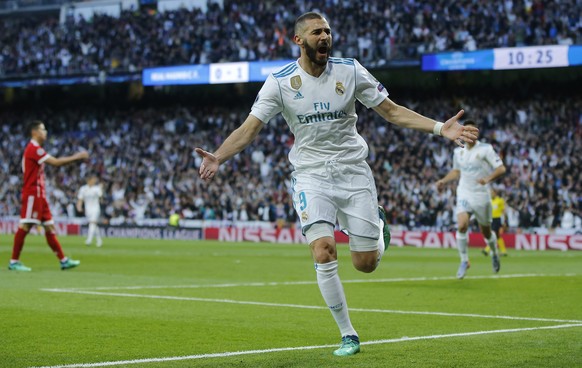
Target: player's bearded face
<point>317,41</point>
<point>319,53</point>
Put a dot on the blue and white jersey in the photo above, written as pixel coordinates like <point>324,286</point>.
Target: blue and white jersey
<point>475,163</point>
<point>321,112</point>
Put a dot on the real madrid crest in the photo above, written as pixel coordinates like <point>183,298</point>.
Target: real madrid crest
<point>339,88</point>
<point>304,216</point>
<point>296,82</point>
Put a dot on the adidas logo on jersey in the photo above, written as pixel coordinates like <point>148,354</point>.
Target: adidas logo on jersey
<point>298,96</point>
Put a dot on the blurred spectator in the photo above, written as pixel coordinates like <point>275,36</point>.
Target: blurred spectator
<point>570,219</point>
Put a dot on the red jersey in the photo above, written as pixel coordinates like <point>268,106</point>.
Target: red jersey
<point>33,169</point>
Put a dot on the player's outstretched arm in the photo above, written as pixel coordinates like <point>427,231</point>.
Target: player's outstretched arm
<point>60,161</point>
<point>236,142</point>
<point>406,118</point>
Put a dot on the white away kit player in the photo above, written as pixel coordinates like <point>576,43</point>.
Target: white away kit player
<point>90,195</point>
<point>332,182</point>
<point>475,165</point>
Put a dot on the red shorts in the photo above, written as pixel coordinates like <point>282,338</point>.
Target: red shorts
<point>35,210</point>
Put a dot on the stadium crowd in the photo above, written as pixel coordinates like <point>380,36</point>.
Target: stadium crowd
<point>373,31</point>
<point>146,163</point>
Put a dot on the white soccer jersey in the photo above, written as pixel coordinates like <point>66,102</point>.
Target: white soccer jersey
<point>90,196</point>
<point>321,111</point>
<point>474,164</point>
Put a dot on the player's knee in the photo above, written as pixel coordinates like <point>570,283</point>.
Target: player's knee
<point>463,227</point>
<point>324,250</point>
<point>365,261</point>
<point>364,253</point>
<point>366,266</point>
<point>49,229</point>
<point>322,242</point>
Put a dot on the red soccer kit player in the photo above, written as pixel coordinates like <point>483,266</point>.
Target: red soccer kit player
<point>35,209</point>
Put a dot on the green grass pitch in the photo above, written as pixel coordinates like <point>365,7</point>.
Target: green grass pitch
<point>145,303</point>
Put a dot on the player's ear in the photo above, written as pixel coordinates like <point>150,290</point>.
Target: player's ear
<point>298,40</point>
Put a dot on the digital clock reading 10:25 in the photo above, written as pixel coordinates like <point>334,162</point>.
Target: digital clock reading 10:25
<point>530,57</point>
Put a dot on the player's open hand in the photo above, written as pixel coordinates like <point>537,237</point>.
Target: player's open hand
<point>440,184</point>
<point>83,155</point>
<point>209,165</point>
<point>457,132</point>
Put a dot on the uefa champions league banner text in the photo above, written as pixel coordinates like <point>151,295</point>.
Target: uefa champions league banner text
<point>270,234</point>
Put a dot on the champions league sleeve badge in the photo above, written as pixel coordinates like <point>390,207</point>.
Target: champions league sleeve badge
<point>339,88</point>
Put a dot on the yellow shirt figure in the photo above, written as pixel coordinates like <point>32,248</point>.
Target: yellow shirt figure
<point>174,220</point>
<point>497,211</point>
<point>498,205</point>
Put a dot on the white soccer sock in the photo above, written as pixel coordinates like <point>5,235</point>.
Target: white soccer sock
<point>381,244</point>
<point>90,233</point>
<point>462,246</point>
<point>97,234</point>
<point>333,293</point>
<point>492,243</point>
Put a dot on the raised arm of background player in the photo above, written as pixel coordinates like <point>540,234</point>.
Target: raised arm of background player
<point>390,111</point>
<point>455,174</point>
<point>499,171</point>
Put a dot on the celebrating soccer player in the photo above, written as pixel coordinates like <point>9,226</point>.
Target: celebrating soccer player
<point>332,181</point>
<point>475,165</point>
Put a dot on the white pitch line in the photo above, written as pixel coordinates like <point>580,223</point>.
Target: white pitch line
<point>276,350</point>
<point>287,283</point>
<point>284,305</point>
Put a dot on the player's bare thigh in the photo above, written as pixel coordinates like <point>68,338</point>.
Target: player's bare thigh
<point>485,230</point>
<point>463,222</point>
<point>26,226</point>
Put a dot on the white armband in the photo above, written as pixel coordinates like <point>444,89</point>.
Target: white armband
<point>437,129</point>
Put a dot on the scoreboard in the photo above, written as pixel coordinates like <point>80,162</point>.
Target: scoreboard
<point>529,57</point>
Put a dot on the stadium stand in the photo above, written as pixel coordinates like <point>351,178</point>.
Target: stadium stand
<point>145,158</point>
<point>375,32</point>
<point>538,138</point>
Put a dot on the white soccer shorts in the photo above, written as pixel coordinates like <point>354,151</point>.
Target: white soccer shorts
<point>92,215</point>
<point>480,207</point>
<point>342,192</point>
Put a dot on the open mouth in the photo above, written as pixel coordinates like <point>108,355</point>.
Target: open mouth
<point>323,50</point>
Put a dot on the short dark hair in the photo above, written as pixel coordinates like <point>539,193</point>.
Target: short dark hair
<point>303,17</point>
<point>33,125</point>
<point>471,122</point>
